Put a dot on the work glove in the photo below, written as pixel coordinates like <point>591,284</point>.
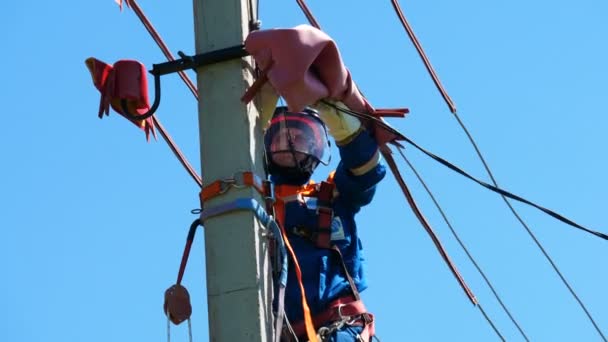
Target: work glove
<point>341,126</point>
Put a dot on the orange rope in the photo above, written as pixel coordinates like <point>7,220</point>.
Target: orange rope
<point>308,14</point>
<point>178,153</point>
<point>161,44</point>
<point>159,41</point>
<point>386,153</point>
<point>310,328</point>
<point>422,54</point>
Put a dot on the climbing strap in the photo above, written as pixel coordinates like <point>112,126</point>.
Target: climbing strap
<point>266,220</point>
<point>280,251</point>
<point>238,180</point>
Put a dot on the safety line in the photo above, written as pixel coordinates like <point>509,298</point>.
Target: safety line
<point>466,250</point>
<point>452,107</point>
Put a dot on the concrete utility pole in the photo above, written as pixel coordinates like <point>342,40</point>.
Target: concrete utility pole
<point>239,285</point>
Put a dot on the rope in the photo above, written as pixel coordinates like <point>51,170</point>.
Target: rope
<point>182,159</point>
<point>161,44</point>
<point>169,328</point>
<point>374,120</point>
<point>531,234</point>
<point>308,14</point>
<point>422,54</point>
<point>452,107</point>
<point>386,153</point>
<point>466,250</point>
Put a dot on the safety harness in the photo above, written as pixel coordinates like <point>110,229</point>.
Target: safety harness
<point>347,310</point>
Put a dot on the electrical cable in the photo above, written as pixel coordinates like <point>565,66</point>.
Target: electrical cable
<point>483,312</point>
<point>314,22</point>
<point>161,44</point>
<point>311,18</point>
<point>422,54</point>
<point>178,153</point>
<point>462,245</point>
<point>447,99</point>
<point>377,121</point>
<point>452,107</point>
<point>532,235</point>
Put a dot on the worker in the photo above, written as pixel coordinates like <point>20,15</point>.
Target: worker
<point>330,258</point>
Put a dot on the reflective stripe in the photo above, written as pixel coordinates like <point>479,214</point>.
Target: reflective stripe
<point>368,166</point>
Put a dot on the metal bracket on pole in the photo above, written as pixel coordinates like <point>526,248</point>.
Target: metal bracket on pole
<point>184,63</point>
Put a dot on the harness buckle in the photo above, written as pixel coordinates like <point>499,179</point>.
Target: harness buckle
<point>348,320</point>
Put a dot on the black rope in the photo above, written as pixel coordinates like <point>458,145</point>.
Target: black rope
<point>504,192</point>
<point>451,166</point>
<point>461,243</point>
<point>532,235</point>
<point>466,250</point>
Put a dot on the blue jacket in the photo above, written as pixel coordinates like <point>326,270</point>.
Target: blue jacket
<point>322,273</point>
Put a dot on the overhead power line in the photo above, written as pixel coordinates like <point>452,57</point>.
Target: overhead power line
<point>463,246</point>
<point>452,107</point>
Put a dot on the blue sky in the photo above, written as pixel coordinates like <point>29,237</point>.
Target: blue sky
<point>93,218</point>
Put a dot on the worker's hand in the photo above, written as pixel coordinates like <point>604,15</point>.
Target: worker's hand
<point>268,102</point>
<point>341,126</point>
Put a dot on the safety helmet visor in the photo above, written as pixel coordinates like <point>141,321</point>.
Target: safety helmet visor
<point>292,137</point>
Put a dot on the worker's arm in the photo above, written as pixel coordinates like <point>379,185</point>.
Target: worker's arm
<point>359,169</point>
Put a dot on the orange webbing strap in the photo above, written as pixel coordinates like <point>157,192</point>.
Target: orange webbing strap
<point>387,154</point>
<point>239,180</point>
<point>279,208</point>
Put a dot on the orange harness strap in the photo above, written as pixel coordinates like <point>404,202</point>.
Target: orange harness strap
<point>239,180</point>
<point>279,208</point>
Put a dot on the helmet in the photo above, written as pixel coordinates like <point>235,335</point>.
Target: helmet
<point>295,143</point>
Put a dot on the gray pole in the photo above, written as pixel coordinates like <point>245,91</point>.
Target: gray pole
<point>239,289</point>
